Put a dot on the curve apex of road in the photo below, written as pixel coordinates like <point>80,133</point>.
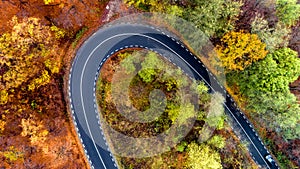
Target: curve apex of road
<point>84,73</point>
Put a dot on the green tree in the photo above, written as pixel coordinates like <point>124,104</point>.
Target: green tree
<point>278,111</point>
<point>274,38</point>
<point>265,84</point>
<point>288,122</point>
<point>238,50</point>
<point>162,6</point>
<point>185,111</point>
<point>202,90</point>
<point>213,17</point>
<point>217,141</point>
<point>128,63</point>
<point>173,111</point>
<point>272,74</point>
<point>288,11</point>
<point>203,157</point>
<point>215,117</point>
<point>148,73</point>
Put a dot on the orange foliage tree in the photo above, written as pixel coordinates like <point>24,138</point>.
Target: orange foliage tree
<point>238,50</point>
<point>34,129</point>
<point>26,51</point>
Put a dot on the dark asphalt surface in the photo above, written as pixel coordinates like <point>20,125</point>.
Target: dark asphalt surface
<point>105,42</point>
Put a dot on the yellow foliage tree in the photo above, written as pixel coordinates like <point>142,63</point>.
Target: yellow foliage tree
<point>42,80</point>
<point>34,130</point>
<point>3,97</point>
<point>47,2</point>
<point>25,49</point>
<point>2,124</point>
<point>53,65</point>
<point>12,154</point>
<point>59,33</point>
<point>203,157</point>
<point>238,50</point>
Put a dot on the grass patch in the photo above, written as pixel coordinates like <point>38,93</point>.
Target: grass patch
<point>79,35</point>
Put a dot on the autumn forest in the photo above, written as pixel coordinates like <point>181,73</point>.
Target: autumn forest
<point>257,47</point>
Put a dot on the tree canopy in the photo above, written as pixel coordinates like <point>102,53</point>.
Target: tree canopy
<point>266,85</point>
<point>213,17</point>
<point>288,11</point>
<point>25,50</point>
<point>203,157</point>
<point>274,38</point>
<point>238,50</point>
<point>272,74</point>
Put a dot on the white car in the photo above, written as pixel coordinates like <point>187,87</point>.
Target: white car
<point>269,158</point>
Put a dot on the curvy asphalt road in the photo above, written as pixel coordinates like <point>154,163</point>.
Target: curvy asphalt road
<point>107,41</point>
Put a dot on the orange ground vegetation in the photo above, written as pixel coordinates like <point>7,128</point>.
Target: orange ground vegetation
<point>35,127</point>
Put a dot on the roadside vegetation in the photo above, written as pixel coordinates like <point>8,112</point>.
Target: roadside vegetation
<point>201,147</point>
